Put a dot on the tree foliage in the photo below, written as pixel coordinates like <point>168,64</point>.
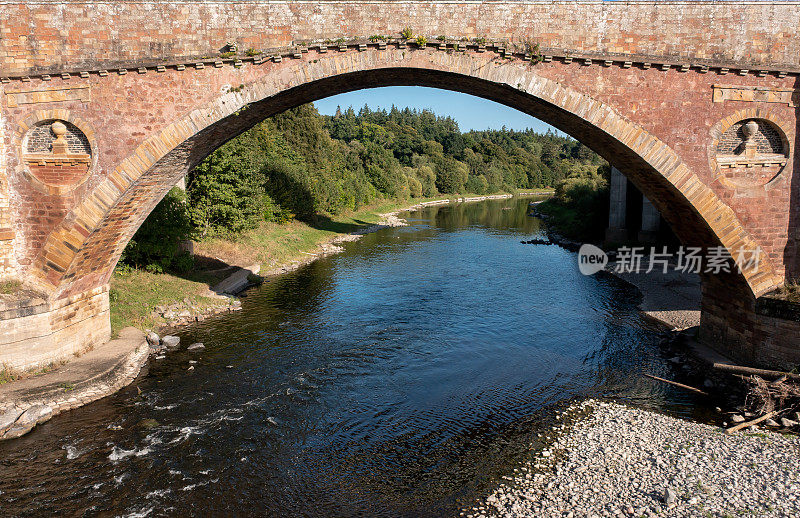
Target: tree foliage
<point>298,164</point>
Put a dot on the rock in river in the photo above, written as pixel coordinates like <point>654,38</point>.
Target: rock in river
<point>153,339</point>
<point>171,341</point>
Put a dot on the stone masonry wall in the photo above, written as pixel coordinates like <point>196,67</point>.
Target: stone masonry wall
<point>6,234</point>
<point>731,325</point>
<point>36,333</point>
<point>35,36</point>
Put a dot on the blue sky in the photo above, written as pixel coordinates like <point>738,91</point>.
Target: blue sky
<point>470,112</point>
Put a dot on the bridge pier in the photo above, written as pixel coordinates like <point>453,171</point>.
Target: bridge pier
<point>617,209</point>
<point>651,222</point>
<point>6,232</point>
<point>619,227</point>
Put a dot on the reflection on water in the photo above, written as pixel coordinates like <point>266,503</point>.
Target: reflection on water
<point>401,377</point>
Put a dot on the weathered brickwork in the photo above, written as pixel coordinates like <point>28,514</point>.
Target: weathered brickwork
<point>111,33</point>
<point>767,139</point>
<point>643,100</point>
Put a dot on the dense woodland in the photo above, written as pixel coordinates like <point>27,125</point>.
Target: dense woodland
<point>300,164</point>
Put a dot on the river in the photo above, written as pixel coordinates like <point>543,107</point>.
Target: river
<point>402,377</point>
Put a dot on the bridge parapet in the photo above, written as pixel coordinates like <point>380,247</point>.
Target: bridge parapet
<point>38,38</point>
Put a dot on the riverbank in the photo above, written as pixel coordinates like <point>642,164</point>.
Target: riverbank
<point>621,461</point>
<point>672,298</point>
<point>100,372</point>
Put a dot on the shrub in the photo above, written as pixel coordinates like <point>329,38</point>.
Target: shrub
<point>415,187</point>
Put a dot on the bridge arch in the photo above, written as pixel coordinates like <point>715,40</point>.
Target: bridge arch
<point>80,254</point>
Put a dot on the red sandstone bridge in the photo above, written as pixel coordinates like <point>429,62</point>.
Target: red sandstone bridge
<point>106,105</point>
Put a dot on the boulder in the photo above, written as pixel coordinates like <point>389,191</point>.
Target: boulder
<point>171,341</point>
<point>147,423</point>
<point>196,347</point>
<point>29,418</point>
<point>737,418</point>
<point>153,339</point>
<point>670,497</point>
<point>8,418</point>
<point>788,423</point>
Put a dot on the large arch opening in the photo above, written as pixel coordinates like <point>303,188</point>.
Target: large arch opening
<point>648,163</point>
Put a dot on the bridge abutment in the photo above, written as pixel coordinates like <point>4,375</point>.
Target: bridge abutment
<point>732,324</point>
<point>35,333</point>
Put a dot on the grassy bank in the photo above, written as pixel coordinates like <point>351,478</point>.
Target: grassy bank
<point>273,245</point>
<point>565,220</point>
<point>134,293</point>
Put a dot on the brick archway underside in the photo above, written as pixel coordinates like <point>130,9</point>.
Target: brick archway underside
<point>80,253</point>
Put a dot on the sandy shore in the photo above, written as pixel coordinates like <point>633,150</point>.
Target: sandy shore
<point>672,298</point>
<point>622,461</point>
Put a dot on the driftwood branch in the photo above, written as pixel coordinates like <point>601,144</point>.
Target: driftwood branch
<point>750,423</point>
<point>764,373</point>
<point>675,383</point>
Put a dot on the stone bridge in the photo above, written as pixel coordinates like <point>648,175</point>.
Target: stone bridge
<point>106,105</point>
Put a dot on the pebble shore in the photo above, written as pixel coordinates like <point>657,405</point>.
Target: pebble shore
<point>621,461</point>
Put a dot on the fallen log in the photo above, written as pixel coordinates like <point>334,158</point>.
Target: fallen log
<point>764,373</point>
<point>675,383</point>
<point>750,423</point>
<point>779,380</point>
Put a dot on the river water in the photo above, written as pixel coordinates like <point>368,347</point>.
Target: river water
<point>402,377</point>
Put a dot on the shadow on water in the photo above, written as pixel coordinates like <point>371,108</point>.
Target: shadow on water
<point>400,378</point>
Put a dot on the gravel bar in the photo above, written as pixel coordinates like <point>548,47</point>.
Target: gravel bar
<point>621,461</point>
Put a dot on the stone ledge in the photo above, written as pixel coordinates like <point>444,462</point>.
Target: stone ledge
<point>99,373</point>
<point>502,47</point>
